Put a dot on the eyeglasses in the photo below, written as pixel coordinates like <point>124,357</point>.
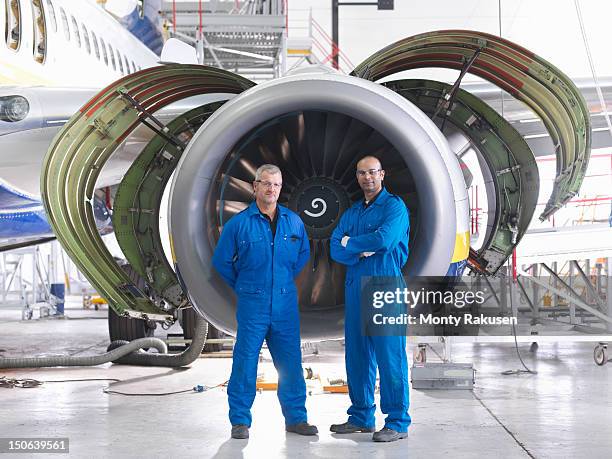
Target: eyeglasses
<point>372,172</point>
<point>267,184</point>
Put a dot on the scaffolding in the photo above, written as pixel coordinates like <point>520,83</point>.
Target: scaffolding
<point>26,279</point>
<point>246,37</point>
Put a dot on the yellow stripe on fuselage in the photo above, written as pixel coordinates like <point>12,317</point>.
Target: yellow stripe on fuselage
<point>462,247</point>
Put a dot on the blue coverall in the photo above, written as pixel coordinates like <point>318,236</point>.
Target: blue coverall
<point>261,270</point>
<point>381,227</point>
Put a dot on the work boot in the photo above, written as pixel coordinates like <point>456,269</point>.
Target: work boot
<point>348,428</point>
<point>240,431</point>
<point>303,428</point>
<point>385,434</point>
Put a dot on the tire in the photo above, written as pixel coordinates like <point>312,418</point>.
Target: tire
<point>600,354</point>
<point>126,328</point>
<point>214,333</point>
<point>188,323</point>
<point>420,355</point>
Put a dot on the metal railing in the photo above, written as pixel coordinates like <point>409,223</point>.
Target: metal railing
<point>322,47</point>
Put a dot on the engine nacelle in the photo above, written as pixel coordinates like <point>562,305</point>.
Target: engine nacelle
<point>315,128</point>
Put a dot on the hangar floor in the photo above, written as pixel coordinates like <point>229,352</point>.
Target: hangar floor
<point>563,411</point>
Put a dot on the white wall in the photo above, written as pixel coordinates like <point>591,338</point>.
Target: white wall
<point>549,28</point>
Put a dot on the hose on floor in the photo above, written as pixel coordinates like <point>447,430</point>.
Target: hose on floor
<point>123,352</point>
<point>168,360</point>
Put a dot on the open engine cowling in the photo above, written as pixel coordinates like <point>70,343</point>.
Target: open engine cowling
<point>315,126</point>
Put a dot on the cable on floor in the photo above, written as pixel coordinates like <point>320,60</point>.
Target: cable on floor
<point>81,380</point>
<point>518,353</point>
<point>28,383</point>
<point>198,388</point>
<point>23,383</point>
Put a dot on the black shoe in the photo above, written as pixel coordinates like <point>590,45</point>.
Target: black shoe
<point>385,434</point>
<point>240,431</point>
<point>303,428</point>
<point>348,428</point>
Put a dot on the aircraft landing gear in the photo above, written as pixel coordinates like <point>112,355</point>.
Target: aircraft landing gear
<point>187,320</point>
<point>128,329</point>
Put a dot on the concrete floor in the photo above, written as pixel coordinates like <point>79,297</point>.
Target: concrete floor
<point>563,411</point>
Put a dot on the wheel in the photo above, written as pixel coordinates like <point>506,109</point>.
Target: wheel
<point>214,333</point>
<point>420,354</point>
<point>188,320</point>
<point>128,329</point>
<point>600,354</point>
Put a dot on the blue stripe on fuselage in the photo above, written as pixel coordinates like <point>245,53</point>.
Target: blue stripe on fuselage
<point>21,215</point>
<point>24,216</point>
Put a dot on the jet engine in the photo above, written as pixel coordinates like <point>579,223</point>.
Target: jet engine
<point>315,126</point>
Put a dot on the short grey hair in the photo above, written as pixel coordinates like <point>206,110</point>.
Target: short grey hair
<point>269,168</point>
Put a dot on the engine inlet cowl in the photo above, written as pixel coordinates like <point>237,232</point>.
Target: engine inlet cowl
<point>315,128</point>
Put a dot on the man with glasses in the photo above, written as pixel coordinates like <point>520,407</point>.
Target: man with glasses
<point>261,251</point>
<point>371,239</point>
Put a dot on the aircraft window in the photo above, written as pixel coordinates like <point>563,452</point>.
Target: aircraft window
<point>112,57</point>
<point>40,31</point>
<point>120,62</point>
<point>52,17</point>
<point>94,40</point>
<point>86,39</point>
<point>127,65</point>
<point>103,47</point>
<point>75,28</point>
<point>65,24</point>
<point>12,31</point>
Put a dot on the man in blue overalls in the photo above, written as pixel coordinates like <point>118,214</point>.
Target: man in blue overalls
<point>371,239</point>
<point>260,253</point>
